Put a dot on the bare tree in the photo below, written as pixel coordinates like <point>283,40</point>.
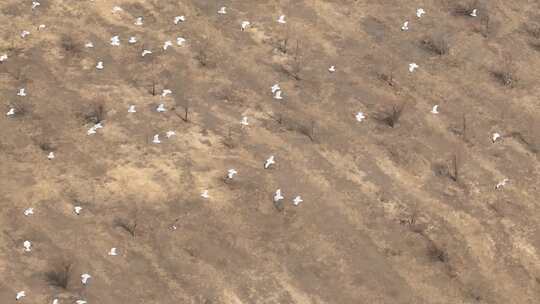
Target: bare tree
<point>506,73</point>
<point>127,225</point>
<point>438,43</point>
<point>392,117</point>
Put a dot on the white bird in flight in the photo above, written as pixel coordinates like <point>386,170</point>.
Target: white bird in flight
<point>405,26</point>
<point>93,130</point>
<point>495,137</point>
<point>278,196</point>
<point>170,134</point>
<point>35,4</point>
<point>77,210</point>
<point>231,173</point>
<point>51,155</point>
<point>85,277</point>
<point>275,88</point>
<point>269,162</point>
<point>245,25</point>
<point>131,109</point>
<point>3,57</point>
<point>89,44</point>
<point>117,9</point>
<point>11,112</point>
<point>222,10</point>
<point>29,211</point>
<point>277,95</point>
<point>167,44</point>
<point>435,109</point>
<point>332,69</point>
<point>27,246</point>
<point>55,301</point>
<point>41,26</point>
<point>360,116</point>
<point>474,13</point>
<point>161,108</point>
<point>179,19</point>
<point>204,194</point>
<point>166,92</point>
<point>139,21</point>
<point>244,121</point>
<point>501,184</point>
<point>180,41</point>
<point>281,19</point>
<point>146,52</point>
<point>297,200</point>
<point>113,252</point>
<point>115,41</point>
<point>80,302</point>
<point>20,295</point>
<point>24,34</point>
<point>413,66</point>
<point>420,12</point>
<point>99,65</point>
<point>156,139</point>
<point>22,92</point>
<point>132,40</point>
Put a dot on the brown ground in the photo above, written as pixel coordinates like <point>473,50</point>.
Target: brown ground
<point>385,217</point>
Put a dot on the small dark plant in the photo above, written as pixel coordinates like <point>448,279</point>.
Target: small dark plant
<point>59,277</point>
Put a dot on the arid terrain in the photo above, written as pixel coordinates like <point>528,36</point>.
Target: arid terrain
<point>410,205</point>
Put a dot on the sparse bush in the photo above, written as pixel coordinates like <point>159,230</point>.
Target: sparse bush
<point>391,118</point>
<point>506,73</point>
<point>69,45</point>
<point>308,130</point>
<point>59,277</point>
<point>465,9</point>
<point>126,225</point>
<point>95,114</point>
<point>438,44</point>
<point>436,253</point>
<point>453,170</point>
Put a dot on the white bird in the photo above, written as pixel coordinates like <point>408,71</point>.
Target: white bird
<point>360,116</point>
<point>24,34</point>
<point>413,66</point>
<point>231,173</point>
<point>80,302</point>
<point>204,194</point>
<point>222,10</point>
<point>51,155</point>
<point>270,161</point>
<point>41,26</point>
<point>29,212</point>
<point>405,26</point>
<point>180,41</point>
<point>35,4</point>
<point>131,109</point>
<point>495,137</point>
<point>113,252</point>
<point>297,200</point>
<point>89,44</point>
<point>281,19</point>
<point>474,12</point>
<point>156,139</point>
<point>85,277</point>
<point>170,134</point>
<point>420,12</point>
<point>161,108</point>
<point>99,65</point>
<point>22,92</point>
<point>165,92</point>
<point>275,88</point>
<point>3,57</point>
<point>332,69</point>
<point>115,41</point>
<point>139,21</point>
<point>278,196</point>
<point>277,95</point>
<point>117,9</point>
<point>179,19</point>
<point>167,44</point>
<point>55,301</point>
<point>245,25</point>
<point>27,246</point>
<point>501,184</point>
<point>132,40</point>
<point>11,112</point>
<point>244,121</point>
<point>93,129</point>
<point>435,109</point>
<point>77,210</point>
<point>146,52</point>
<point>20,295</point>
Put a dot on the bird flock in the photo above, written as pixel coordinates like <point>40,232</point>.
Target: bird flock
<point>276,92</point>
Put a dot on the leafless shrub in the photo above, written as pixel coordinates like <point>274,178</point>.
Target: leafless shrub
<point>21,108</point>
<point>533,30</point>
<point>436,253</point>
<point>294,68</point>
<point>279,205</point>
<point>391,117</point>
<point>506,73</point>
<point>486,27</point>
<point>308,129</point>
<point>453,168</point>
<point>95,114</point>
<point>438,43</point>
<point>59,277</point>
<point>69,45</point>
<point>465,9</point>
<point>129,226</point>
<point>229,141</point>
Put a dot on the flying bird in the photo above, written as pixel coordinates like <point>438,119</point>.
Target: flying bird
<point>245,25</point>
<point>474,12</point>
<point>115,41</point>
<point>132,40</point>
<point>85,277</point>
<point>297,200</point>
<point>99,65</point>
<point>360,116</point>
<point>222,10</point>
<point>180,41</point>
<point>131,109</point>
<point>179,19</point>
<point>435,109</point>
<point>117,9</point>
<point>113,252</point>
<point>231,173</point>
<point>332,69</point>
<point>80,302</point>
<point>275,88</point>
<point>495,137</point>
<point>501,184</point>
<point>269,162</point>
<point>146,52</point>
<point>244,121</point>
<point>139,21</point>
<point>29,212</point>
<point>89,44</point>
<point>167,44</point>
<point>27,246</point>
<point>281,19</point>
<point>161,108</point>
<point>413,66</point>
<point>51,155</point>
<point>278,196</point>
<point>170,134</point>
<point>93,129</point>
<point>405,26</point>
<point>41,26</point>
<point>22,92</point>
<point>35,4</point>
<point>3,57</point>
<point>204,194</point>
<point>77,210</point>
<point>24,34</point>
<point>55,301</point>
<point>156,139</point>
<point>20,295</point>
<point>165,92</point>
<point>420,12</point>
<point>277,95</point>
<point>11,112</point>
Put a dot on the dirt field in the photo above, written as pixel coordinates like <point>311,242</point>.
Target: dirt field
<point>401,207</point>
